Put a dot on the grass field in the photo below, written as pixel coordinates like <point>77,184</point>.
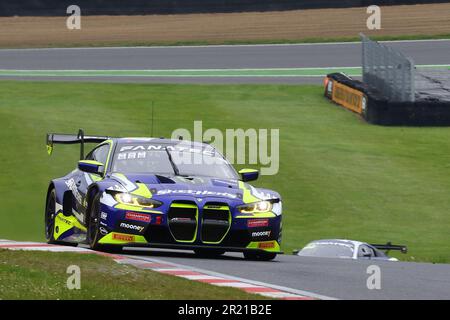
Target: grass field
<point>339,177</point>
<point>318,25</point>
<point>42,275</point>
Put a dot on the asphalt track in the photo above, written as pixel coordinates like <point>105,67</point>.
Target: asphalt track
<point>203,64</point>
<point>331,278</point>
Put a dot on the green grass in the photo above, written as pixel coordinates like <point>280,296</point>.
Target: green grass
<point>233,42</point>
<point>42,275</point>
<point>339,177</point>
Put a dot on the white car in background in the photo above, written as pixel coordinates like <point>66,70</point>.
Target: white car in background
<point>348,249</point>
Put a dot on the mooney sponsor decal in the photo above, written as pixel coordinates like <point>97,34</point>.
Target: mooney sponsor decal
<point>255,223</point>
<point>261,234</point>
<point>137,216</point>
<point>131,226</point>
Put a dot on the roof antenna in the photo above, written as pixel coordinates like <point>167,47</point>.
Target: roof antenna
<point>151,133</point>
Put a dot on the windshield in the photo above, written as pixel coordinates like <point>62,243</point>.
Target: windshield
<point>167,160</point>
<point>328,249</point>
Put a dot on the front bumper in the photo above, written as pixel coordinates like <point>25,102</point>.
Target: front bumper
<point>190,226</point>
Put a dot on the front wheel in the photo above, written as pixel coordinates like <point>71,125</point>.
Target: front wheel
<point>259,255</point>
<point>93,228</point>
<point>50,213</point>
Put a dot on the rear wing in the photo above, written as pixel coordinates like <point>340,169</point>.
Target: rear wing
<point>57,138</point>
<point>389,246</point>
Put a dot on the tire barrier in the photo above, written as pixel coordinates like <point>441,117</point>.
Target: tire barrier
<point>376,109</point>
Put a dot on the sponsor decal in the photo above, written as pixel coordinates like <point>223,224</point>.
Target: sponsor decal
<point>103,231</point>
<point>255,223</point>
<point>131,227</point>
<point>348,97</point>
<point>137,216</point>
<point>158,220</point>
<point>123,237</point>
<point>154,147</point>
<point>73,187</point>
<point>103,215</point>
<point>261,234</point>
<point>66,221</point>
<point>197,193</point>
<point>266,245</point>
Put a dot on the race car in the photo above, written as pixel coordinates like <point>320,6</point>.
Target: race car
<point>163,193</point>
<point>349,249</point>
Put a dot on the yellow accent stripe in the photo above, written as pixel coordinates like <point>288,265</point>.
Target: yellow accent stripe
<point>247,196</point>
<point>225,208</point>
<point>96,163</point>
<point>183,205</point>
<point>63,224</point>
<point>142,191</point>
<point>248,171</point>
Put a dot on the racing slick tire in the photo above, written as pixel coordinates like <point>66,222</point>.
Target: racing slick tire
<point>50,213</point>
<point>93,228</point>
<point>259,256</point>
<point>208,253</point>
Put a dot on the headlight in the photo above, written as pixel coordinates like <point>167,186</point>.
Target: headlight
<point>133,200</point>
<point>261,206</point>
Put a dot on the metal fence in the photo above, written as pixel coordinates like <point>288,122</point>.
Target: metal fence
<point>388,71</point>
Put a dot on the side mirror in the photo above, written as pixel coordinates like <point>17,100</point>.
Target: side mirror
<point>90,166</point>
<point>249,174</point>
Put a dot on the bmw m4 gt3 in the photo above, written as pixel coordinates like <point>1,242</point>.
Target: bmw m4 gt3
<point>132,192</point>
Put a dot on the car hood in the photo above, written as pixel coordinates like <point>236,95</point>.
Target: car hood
<point>192,186</point>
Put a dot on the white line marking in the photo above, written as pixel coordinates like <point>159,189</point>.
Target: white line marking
<point>279,295</point>
<point>160,76</point>
<point>185,70</point>
<point>224,45</point>
<point>228,277</point>
<point>235,285</point>
<point>203,70</point>
<point>170,269</point>
<point>200,277</point>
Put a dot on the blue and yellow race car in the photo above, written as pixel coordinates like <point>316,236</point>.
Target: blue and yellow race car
<point>163,193</point>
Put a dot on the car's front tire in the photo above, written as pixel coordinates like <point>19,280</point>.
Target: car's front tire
<point>93,228</point>
<point>50,213</point>
<point>259,255</point>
